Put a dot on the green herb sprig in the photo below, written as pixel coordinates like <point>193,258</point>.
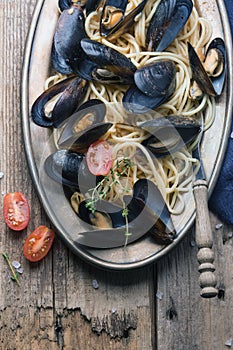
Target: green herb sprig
<point>121,169</point>
<point>15,275</point>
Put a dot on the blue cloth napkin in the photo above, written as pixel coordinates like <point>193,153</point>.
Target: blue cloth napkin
<point>221,201</point>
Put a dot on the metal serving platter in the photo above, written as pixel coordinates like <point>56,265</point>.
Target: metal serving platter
<point>39,143</point>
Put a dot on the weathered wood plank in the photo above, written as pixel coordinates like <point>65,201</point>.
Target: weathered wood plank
<point>56,306</point>
<point>184,319</point>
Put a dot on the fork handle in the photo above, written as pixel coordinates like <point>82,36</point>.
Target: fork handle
<point>204,240</point>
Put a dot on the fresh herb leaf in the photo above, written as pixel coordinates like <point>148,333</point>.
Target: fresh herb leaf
<point>15,275</point>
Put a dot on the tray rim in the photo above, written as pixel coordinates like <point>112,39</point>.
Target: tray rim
<point>24,89</point>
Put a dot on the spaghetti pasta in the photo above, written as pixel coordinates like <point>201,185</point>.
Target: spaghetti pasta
<point>171,173</point>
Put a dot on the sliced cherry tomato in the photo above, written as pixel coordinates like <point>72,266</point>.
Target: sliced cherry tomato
<point>16,211</point>
<point>99,158</point>
<point>38,243</point>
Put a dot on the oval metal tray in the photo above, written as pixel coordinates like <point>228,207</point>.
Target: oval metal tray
<point>39,143</point>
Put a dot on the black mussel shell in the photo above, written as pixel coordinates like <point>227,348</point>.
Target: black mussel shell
<point>163,230</point>
<point>111,28</point>
<point>170,133</point>
<point>100,219</point>
<point>70,169</point>
<point>109,59</point>
<point>84,67</point>
<point>134,101</point>
<point>92,5</point>
<point>59,63</point>
<point>82,140</point>
<point>68,102</point>
<point>218,79</point>
<point>199,74</point>
<point>168,20</point>
<point>155,79</point>
<point>69,31</point>
<point>63,167</point>
<point>210,85</point>
<point>112,15</point>
<point>89,113</point>
<point>109,214</point>
<point>38,107</point>
<point>64,4</point>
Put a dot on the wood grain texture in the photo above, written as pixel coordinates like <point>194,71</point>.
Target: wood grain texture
<point>184,319</point>
<point>56,306</point>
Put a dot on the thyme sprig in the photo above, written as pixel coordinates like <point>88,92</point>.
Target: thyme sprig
<point>121,169</point>
<point>15,275</point>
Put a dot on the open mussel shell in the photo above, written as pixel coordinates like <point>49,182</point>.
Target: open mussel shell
<point>89,113</point>
<point>69,31</point>
<point>83,139</point>
<point>110,215</point>
<point>70,169</point>
<point>70,99</point>
<point>170,133</point>
<point>38,108</point>
<point>168,20</point>
<point>147,214</point>
<point>106,215</point>
<point>113,23</point>
<point>216,57</point>
<point>110,60</point>
<point>112,15</point>
<point>155,79</point>
<point>72,91</point>
<point>210,85</point>
<point>163,230</point>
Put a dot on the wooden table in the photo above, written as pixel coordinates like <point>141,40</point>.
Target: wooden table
<point>56,305</point>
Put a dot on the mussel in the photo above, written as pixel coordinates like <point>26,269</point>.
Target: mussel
<point>112,15</point>
<point>104,64</point>
<point>109,215</point>
<point>92,5</point>
<point>89,5</point>
<point>81,140</point>
<point>209,75</point>
<point>69,31</point>
<point>89,113</point>
<point>154,84</point>
<point>168,20</point>
<point>66,4</point>
<point>72,92</point>
<point>147,213</point>
<point>163,230</point>
<point>113,22</point>
<point>156,78</point>
<point>70,169</point>
<point>170,133</point>
<point>59,63</point>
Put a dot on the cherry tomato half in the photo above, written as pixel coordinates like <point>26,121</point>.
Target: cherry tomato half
<point>16,211</point>
<point>99,158</point>
<point>38,243</point>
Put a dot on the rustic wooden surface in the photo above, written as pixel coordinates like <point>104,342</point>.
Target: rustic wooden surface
<point>56,306</point>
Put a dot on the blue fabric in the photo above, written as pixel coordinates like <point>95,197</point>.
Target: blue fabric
<point>221,201</point>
